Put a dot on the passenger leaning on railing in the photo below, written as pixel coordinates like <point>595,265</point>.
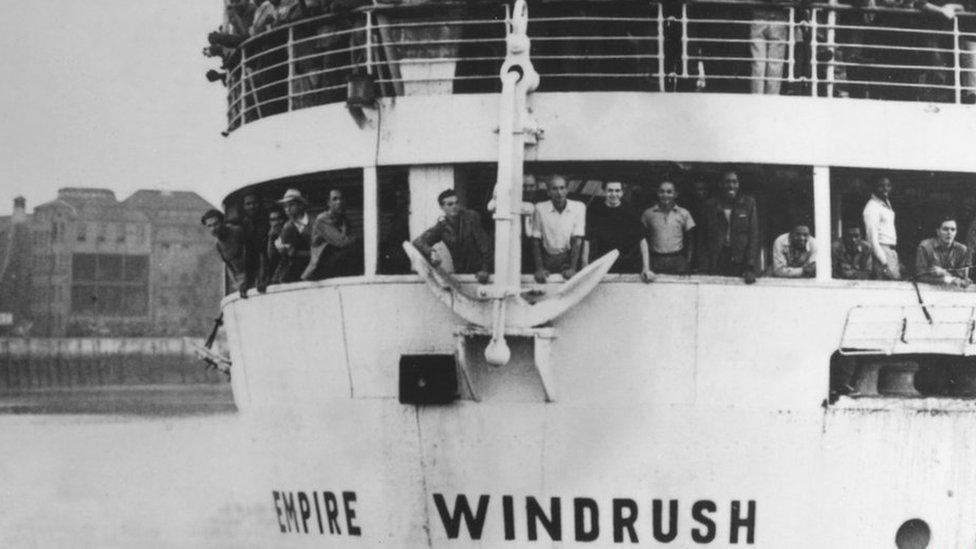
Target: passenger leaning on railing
<point>274,247</point>
<point>794,253</point>
<point>461,233</point>
<point>335,251</point>
<point>255,225</point>
<point>667,246</point>
<point>942,260</point>
<point>612,224</point>
<point>730,232</point>
<point>231,246</point>
<point>558,228</point>
<point>852,256</point>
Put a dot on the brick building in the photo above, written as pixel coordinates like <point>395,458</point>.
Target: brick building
<point>15,271</point>
<point>142,266</point>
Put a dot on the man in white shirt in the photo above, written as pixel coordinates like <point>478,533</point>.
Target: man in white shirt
<point>879,227</point>
<point>795,254</point>
<point>558,227</point>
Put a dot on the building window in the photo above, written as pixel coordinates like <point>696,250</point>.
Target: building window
<point>82,232</point>
<point>111,284</point>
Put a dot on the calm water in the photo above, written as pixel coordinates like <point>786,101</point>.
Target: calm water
<point>148,467</point>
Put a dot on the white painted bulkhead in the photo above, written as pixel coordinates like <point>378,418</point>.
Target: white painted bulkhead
<point>449,129</point>
<point>685,389</point>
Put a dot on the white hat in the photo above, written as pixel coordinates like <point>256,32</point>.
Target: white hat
<point>293,195</point>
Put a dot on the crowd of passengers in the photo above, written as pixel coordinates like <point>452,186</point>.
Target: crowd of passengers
<point>717,235</point>
<point>901,53</point>
<point>285,244</point>
<point>247,18</point>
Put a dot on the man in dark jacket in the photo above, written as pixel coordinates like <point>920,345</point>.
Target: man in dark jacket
<point>255,224</point>
<point>730,232</point>
<point>461,232</point>
<point>232,247</point>
<point>335,251</point>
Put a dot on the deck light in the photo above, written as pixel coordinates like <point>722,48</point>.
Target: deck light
<point>361,91</point>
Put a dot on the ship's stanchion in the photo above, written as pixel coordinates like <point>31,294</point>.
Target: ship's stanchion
<point>519,79</point>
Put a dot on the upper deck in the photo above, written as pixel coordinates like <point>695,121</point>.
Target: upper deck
<point>647,81</point>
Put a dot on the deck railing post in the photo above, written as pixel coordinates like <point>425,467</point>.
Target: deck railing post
<point>791,46</point>
<point>821,222</point>
<point>242,98</point>
<point>371,216</point>
<point>369,42</point>
<point>831,48</point>
<point>957,59</point>
<point>291,64</point>
<point>814,80</point>
<point>660,47</point>
<point>684,40</point>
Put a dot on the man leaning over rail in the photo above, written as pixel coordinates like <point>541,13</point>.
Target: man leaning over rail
<point>942,260</point>
<point>334,250</point>
<point>231,245</point>
<point>558,228</point>
<point>255,224</point>
<point>794,254</point>
<point>461,232</point>
<point>852,256</point>
<point>612,224</point>
<point>667,246</point>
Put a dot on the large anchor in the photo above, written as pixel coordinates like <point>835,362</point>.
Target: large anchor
<point>502,306</point>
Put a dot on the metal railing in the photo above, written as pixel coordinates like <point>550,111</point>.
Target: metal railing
<point>815,50</point>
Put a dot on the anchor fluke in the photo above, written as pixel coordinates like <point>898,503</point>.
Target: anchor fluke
<point>497,352</point>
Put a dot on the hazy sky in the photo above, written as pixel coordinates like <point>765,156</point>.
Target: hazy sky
<point>110,94</point>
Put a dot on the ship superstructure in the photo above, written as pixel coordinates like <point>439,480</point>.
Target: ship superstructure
<point>694,410</point>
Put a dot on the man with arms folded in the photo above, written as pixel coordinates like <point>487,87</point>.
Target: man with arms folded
<point>461,232</point>
<point>942,260</point>
<point>795,253</point>
<point>852,256</point>
<point>558,227</point>
<point>612,224</point>
<point>667,246</point>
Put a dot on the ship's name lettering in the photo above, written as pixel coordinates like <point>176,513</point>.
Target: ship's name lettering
<point>622,520</point>
<point>321,513</point>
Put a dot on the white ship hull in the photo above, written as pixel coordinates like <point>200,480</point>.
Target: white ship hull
<point>703,394</point>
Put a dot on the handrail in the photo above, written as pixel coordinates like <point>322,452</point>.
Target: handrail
<point>814,49</point>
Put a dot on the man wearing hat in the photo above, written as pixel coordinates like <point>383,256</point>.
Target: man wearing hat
<point>296,236</point>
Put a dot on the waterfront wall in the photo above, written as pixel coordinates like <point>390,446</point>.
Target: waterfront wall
<point>38,363</point>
